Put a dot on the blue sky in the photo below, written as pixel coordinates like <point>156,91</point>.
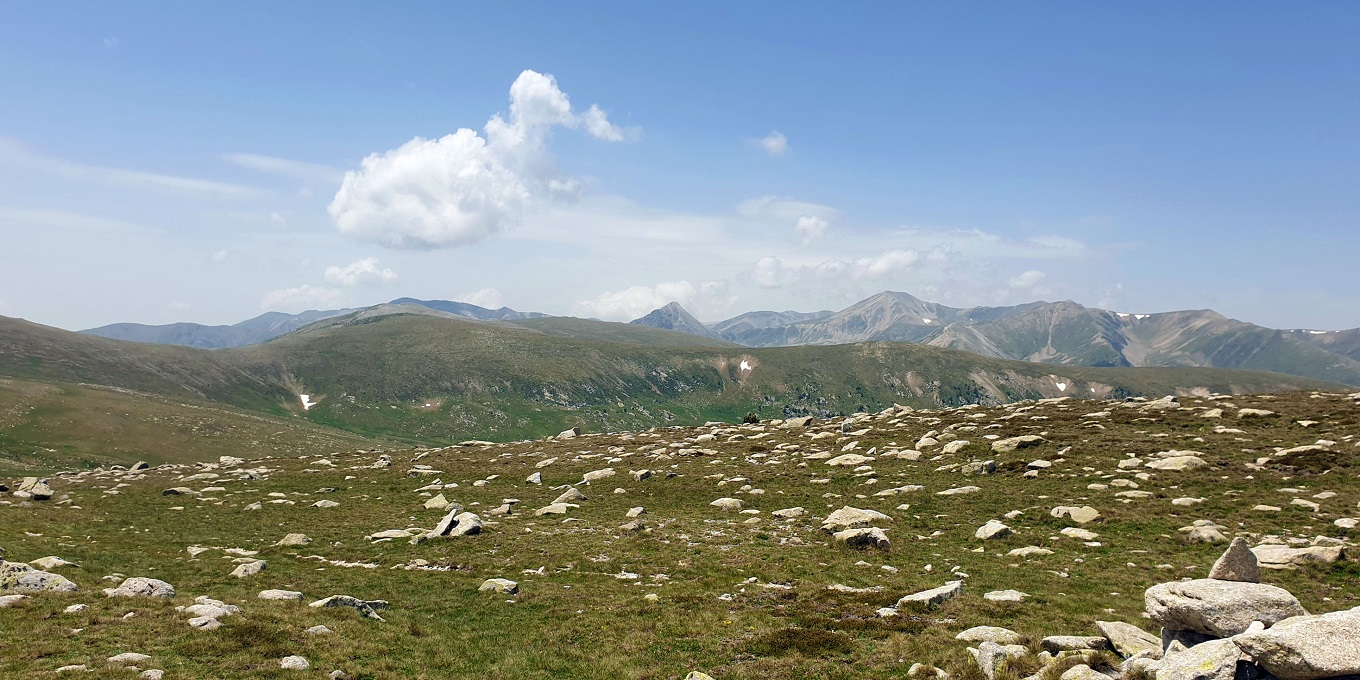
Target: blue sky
<point>180,161</point>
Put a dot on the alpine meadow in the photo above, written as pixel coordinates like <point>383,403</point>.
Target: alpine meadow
<point>680,342</point>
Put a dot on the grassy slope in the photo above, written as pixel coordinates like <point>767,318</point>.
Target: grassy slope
<point>424,379</point>
<point>584,615</point>
<point>45,426</point>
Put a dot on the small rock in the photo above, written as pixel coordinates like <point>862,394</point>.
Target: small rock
<point>499,585</point>
<point>294,663</point>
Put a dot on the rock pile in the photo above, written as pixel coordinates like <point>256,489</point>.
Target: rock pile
<point>1225,627</point>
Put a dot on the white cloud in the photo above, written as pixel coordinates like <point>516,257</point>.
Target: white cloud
<point>489,298</point>
<point>775,143</point>
<point>180,306</point>
<point>220,256</point>
<point>301,298</point>
<point>1028,279</point>
<point>464,187</point>
<point>809,228</point>
<point>360,272</point>
<point>277,219</point>
<point>706,299</point>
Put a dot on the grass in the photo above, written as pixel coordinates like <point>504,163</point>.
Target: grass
<point>735,600</point>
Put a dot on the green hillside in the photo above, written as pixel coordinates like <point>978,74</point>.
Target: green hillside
<point>434,380</point>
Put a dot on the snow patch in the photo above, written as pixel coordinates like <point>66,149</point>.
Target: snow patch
<point>928,321</point>
<point>1062,386</point>
<point>745,366</point>
<point>1320,332</point>
<point>307,402</point>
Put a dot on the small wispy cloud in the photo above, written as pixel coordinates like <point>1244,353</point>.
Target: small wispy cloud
<point>301,298</point>
<point>360,272</point>
<point>299,170</point>
<point>775,143</point>
<point>15,153</point>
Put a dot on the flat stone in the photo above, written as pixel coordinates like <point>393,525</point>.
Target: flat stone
<point>1081,515</point>
<point>1284,557</point>
<point>1001,636</point>
<point>1130,640</point>
<point>279,595</point>
<point>1068,643</point>
<point>848,517</point>
<point>1176,463</point>
<point>933,596</point>
<point>127,658</point>
<point>1024,441</point>
<point>1005,596</point>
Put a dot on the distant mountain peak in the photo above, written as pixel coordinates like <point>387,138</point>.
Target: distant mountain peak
<point>674,317</point>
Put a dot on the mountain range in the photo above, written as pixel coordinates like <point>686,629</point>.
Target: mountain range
<point>1063,333</point>
<point>408,372</point>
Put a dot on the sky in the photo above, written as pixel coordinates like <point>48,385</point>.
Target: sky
<point>208,162</point>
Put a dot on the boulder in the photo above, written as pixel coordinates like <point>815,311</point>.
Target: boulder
<point>1307,647</point>
<point>1238,563</point>
<point>1219,608</point>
